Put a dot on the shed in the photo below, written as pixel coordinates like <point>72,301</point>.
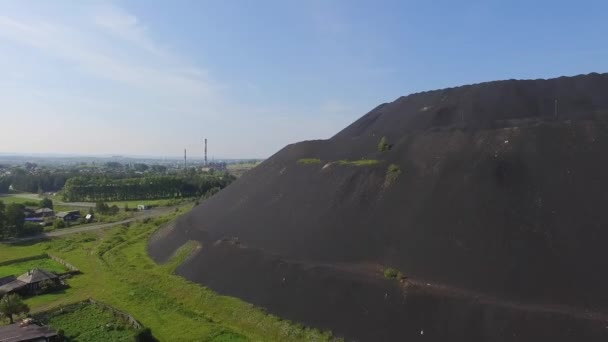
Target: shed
<point>68,215</point>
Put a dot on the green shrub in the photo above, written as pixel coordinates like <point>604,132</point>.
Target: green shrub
<point>383,145</point>
<point>58,224</point>
<point>391,273</point>
<point>30,228</point>
<point>306,161</point>
<point>392,173</point>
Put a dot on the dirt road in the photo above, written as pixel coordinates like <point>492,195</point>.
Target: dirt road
<point>155,212</point>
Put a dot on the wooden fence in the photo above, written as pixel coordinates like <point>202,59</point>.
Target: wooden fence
<point>125,316</point>
<point>73,269</point>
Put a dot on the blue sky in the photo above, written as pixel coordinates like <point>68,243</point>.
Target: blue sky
<point>146,77</point>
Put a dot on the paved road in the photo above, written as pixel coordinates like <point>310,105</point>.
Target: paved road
<point>154,212</point>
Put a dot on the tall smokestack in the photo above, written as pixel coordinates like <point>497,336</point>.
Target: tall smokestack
<point>185,160</point>
<point>205,151</point>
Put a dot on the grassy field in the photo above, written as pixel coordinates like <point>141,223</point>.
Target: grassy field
<point>89,322</point>
<point>155,203</point>
<point>117,270</point>
<point>12,198</point>
<point>19,268</point>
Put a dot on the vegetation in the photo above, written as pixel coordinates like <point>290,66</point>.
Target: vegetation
<point>392,173</point>
<point>46,203</point>
<point>89,322</point>
<point>305,161</point>
<point>383,145</point>
<point>11,219</point>
<point>391,273</point>
<point>361,162</point>
<point>104,209</point>
<point>12,305</point>
<point>58,224</point>
<point>20,267</point>
<point>153,187</point>
<point>117,270</point>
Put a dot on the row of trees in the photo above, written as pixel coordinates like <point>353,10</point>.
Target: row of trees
<point>150,187</point>
<point>44,181</point>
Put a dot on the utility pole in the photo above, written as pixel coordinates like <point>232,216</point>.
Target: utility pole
<point>205,151</point>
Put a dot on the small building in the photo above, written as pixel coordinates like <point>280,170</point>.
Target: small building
<point>44,212</point>
<point>143,207</point>
<point>89,218</point>
<point>26,283</point>
<point>68,215</point>
<point>27,331</point>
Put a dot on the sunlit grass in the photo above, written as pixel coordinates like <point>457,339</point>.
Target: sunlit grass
<point>117,270</point>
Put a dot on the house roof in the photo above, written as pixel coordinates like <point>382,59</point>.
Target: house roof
<point>66,213</point>
<point>36,275</point>
<point>10,287</point>
<point>6,280</point>
<point>43,210</point>
<point>32,332</point>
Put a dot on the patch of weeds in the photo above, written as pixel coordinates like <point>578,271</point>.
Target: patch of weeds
<point>392,173</point>
<point>308,161</point>
<point>361,162</point>
<point>383,145</point>
<point>391,273</point>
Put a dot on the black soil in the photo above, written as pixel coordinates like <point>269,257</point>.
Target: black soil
<point>500,207</point>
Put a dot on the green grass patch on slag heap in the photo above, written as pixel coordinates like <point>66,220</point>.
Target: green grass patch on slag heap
<point>117,271</point>
<point>360,162</point>
<point>308,161</point>
<point>391,273</point>
<point>392,173</point>
<point>19,268</point>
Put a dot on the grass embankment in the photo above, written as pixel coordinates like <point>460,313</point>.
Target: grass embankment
<point>361,162</point>
<point>117,270</point>
<point>307,161</point>
<point>20,268</point>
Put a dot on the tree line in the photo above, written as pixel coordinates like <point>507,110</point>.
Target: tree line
<point>101,188</point>
<point>12,222</point>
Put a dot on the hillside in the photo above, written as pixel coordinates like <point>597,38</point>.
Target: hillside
<point>493,209</point>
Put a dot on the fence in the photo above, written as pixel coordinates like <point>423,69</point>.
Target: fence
<point>45,316</point>
<point>73,269</point>
<point>125,316</point>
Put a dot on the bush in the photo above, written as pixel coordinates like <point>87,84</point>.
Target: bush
<point>58,224</point>
<point>30,228</point>
<point>392,173</point>
<point>113,210</point>
<point>47,286</point>
<point>46,203</point>
<point>383,145</point>
<point>390,273</point>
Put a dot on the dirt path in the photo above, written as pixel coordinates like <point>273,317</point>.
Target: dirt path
<point>376,271</point>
